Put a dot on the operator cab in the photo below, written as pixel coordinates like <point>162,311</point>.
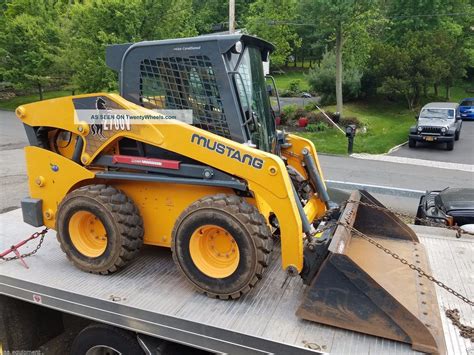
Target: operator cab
<point>219,77</point>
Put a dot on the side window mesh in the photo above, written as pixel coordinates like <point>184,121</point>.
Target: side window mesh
<point>184,83</point>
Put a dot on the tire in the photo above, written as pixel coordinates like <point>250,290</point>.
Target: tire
<point>110,338</point>
<point>412,143</point>
<point>243,245</point>
<point>457,135</point>
<point>450,145</point>
<point>107,229</point>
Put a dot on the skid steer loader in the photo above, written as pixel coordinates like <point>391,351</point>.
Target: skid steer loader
<point>218,191</point>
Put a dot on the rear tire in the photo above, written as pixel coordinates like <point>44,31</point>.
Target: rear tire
<point>450,145</point>
<point>222,245</point>
<point>457,135</point>
<point>412,143</point>
<point>99,228</point>
<point>105,339</point>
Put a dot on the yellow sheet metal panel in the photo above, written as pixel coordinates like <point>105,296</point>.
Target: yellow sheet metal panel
<point>160,204</point>
<point>294,155</point>
<point>50,177</point>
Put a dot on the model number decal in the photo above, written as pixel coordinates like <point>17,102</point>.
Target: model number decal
<point>230,152</point>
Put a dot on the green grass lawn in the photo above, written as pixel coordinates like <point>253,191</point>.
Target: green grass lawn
<point>387,126</point>
<point>12,104</point>
<point>283,80</point>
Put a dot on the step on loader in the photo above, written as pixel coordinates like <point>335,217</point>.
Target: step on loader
<point>218,190</point>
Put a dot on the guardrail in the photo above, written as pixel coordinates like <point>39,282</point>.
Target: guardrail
<point>377,189</point>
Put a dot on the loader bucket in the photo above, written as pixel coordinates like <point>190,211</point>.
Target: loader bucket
<point>361,288</point>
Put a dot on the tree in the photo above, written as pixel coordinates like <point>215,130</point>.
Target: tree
<point>91,26</point>
<point>422,58</point>
<point>321,80</point>
<point>29,44</point>
<point>269,19</point>
<point>212,15</point>
<point>343,20</point>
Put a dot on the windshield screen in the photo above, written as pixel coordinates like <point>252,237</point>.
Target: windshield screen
<point>251,70</point>
<point>435,113</point>
<point>467,103</point>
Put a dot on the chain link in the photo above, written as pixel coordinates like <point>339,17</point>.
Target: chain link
<point>34,251</point>
<point>465,330</point>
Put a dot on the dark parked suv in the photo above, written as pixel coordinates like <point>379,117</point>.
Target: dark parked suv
<point>438,122</point>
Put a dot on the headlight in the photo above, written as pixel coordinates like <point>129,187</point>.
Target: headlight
<point>443,130</point>
<point>238,47</point>
<point>420,129</point>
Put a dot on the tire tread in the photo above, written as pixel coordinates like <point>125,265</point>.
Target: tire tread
<point>249,216</point>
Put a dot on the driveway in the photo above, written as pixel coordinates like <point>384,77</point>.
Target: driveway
<point>463,152</point>
<point>13,181</point>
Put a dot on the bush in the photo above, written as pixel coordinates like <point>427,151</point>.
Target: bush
<point>346,121</point>
<point>317,116</point>
<point>295,86</point>
<point>288,114</point>
<point>285,93</point>
<point>311,106</point>
<point>317,127</point>
<point>322,80</point>
<point>300,112</point>
<point>294,89</point>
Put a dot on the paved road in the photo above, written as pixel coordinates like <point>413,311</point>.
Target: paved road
<point>13,181</point>
<point>285,101</point>
<point>463,149</point>
<point>403,176</point>
<point>393,174</point>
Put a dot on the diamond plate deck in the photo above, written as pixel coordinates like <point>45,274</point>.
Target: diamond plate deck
<point>151,297</point>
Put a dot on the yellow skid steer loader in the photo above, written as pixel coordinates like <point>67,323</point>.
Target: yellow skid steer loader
<point>217,190</point>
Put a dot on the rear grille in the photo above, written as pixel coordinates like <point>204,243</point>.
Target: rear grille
<point>431,130</point>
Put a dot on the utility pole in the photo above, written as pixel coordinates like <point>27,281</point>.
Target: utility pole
<point>231,16</point>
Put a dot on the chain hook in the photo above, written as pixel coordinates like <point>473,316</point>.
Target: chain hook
<point>14,248</point>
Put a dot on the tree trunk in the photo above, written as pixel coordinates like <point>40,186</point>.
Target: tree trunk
<point>448,91</point>
<point>339,70</point>
<point>302,62</point>
<point>40,91</point>
<point>416,95</point>
<point>435,87</point>
<point>294,63</point>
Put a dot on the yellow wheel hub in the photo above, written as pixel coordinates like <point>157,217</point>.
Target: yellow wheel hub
<point>214,251</point>
<point>87,234</point>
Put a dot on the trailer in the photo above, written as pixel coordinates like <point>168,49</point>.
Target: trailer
<point>153,301</point>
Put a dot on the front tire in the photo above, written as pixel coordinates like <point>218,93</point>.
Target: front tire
<point>457,135</point>
<point>411,143</point>
<point>99,228</point>
<point>450,145</point>
<point>222,245</point>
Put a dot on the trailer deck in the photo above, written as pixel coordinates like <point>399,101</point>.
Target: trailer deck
<point>151,297</point>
